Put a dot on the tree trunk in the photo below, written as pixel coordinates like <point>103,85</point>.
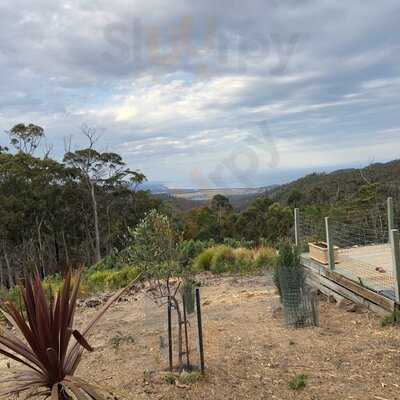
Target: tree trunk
<point>1,275</point>
<point>65,248</point>
<point>39,232</point>
<point>96,224</point>
<point>180,322</point>
<point>109,244</point>
<point>9,272</point>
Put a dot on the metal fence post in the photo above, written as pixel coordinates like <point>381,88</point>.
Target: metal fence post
<point>395,244</point>
<point>170,361</point>
<point>390,216</point>
<point>296,226</point>
<point>329,244</point>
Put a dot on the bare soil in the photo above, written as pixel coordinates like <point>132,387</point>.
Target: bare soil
<point>250,354</point>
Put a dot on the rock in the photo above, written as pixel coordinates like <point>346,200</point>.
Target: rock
<point>343,304</point>
<point>331,299</point>
<point>349,306</point>
<point>93,302</point>
<point>353,308</point>
<point>277,311</point>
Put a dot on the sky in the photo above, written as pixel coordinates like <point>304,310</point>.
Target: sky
<point>208,93</point>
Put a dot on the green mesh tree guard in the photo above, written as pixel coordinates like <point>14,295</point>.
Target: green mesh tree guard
<point>300,303</point>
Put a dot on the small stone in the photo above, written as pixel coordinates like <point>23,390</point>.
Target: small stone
<point>344,304</point>
<point>352,308</point>
<point>93,302</point>
<point>331,299</point>
<point>277,311</point>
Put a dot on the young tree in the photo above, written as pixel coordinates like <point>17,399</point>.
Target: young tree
<point>155,249</point>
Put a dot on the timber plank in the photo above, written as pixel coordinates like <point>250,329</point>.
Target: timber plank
<point>334,283</point>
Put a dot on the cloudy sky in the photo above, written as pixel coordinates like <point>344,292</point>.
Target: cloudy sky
<point>208,93</point>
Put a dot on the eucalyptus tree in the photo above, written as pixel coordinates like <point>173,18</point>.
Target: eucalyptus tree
<point>99,169</point>
<point>26,138</point>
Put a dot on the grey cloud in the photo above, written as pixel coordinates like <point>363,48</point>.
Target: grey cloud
<point>320,73</point>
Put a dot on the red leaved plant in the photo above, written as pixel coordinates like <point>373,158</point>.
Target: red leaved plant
<point>49,350</point>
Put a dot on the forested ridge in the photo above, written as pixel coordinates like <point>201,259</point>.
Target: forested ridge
<point>341,185</point>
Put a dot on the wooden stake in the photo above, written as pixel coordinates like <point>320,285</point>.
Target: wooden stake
<point>329,243</point>
<point>296,226</point>
<point>395,243</point>
<point>390,215</point>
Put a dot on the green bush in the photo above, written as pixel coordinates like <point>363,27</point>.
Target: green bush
<point>109,262</point>
<point>243,260</point>
<point>97,279</point>
<point>220,259</point>
<point>203,260</point>
<point>265,257</point>
<point>111,279</point>
<point>223,260</point>
<point>190,249</point>
<point>121,278</point>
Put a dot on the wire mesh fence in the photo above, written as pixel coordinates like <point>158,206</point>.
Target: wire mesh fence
<point>364,255</point>
<point>311,229</point>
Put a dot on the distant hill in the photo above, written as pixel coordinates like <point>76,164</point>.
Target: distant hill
<point>343,184</point>
<point>154,187</point>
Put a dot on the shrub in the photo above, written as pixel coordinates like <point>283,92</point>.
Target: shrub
<point>169,378</point>
<point>188,378</point>
<point>118,279</point>
<point>298,382</point>
<point>97,279</point>
<point>190,249</point>
<point>203,260</point>
<point>113,261</point>
<point>222,260</point>
<point>265,257</point>
<point>111,279</point>
<point>244,260</point>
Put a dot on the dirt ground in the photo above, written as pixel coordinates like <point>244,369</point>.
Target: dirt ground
<point>249,352</point>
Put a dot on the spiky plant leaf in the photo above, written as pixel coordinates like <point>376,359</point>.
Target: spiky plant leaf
<point>48,349</point>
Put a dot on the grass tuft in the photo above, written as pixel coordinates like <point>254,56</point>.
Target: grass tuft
<point>298,382</point>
